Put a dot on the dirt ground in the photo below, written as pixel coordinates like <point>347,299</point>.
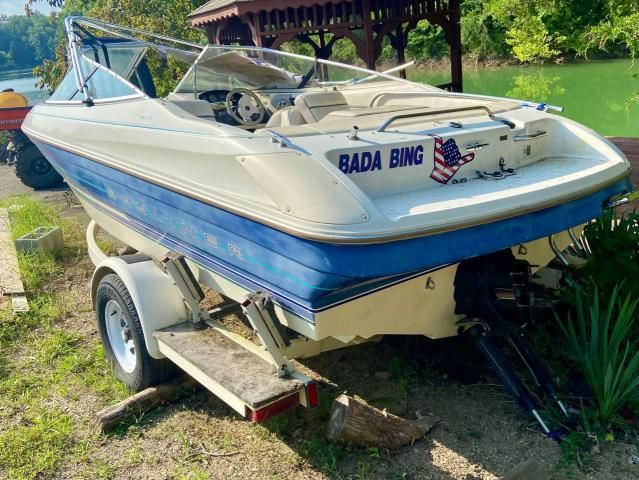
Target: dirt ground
<point>482,433</point>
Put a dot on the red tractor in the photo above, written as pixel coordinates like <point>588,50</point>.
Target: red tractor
<point>17,150</point>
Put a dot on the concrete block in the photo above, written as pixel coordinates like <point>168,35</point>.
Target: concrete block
<point>45,239</point>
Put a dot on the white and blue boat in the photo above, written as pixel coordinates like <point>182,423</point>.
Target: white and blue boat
<point>350,195</point>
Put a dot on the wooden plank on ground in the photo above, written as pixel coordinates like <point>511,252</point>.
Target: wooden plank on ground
<point>10,279</point>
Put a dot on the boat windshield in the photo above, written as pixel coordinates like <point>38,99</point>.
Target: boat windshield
<point>112,62</point>
<point>225,68</point>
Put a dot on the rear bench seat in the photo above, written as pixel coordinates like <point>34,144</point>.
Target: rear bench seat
<point>309,107</point>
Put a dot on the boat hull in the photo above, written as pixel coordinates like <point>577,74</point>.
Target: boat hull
<point>305,276</point>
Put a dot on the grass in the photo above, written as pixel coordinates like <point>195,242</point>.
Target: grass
<point>43,363</point>
<point>34,450</point>
<point>52,374</point>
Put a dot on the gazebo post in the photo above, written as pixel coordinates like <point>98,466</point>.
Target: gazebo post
<point>455,48</point>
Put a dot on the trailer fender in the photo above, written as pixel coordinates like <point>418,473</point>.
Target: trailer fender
<point>156,299</point>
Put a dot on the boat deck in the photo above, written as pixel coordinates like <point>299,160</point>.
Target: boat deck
<point>630,147</point>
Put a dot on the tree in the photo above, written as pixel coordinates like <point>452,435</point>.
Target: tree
<point>158,16</point>
<point>26,42</point>
<point>620,28</point>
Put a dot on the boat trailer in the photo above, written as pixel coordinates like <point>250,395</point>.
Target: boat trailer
<point>494,295</point>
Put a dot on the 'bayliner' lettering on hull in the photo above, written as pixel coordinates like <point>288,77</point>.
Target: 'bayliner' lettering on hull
<point>360,162</point>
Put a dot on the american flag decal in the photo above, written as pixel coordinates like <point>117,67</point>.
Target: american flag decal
<point>447,160</point>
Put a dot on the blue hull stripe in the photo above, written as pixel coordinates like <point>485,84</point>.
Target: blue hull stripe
<point>236,277</point>
<point>305,274</point>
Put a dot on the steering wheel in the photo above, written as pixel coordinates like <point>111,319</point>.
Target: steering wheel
<point>245,107</point>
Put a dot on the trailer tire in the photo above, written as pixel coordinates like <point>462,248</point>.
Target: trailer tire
<point>34,170</point>
<point>123,339</point>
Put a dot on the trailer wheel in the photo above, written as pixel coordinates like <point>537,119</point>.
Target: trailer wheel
<point>123,340</point>
<point>34,170</point>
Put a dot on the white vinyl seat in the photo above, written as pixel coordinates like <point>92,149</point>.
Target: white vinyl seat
<point>286,117</point>
<point>316,105</point>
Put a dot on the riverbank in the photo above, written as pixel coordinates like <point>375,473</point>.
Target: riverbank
<point>476,63</point>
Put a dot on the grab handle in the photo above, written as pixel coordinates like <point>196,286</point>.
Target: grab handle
<point>400,116</point>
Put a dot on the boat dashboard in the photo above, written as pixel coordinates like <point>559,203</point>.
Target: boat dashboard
<point>273,100</point>
<point>240,107</point>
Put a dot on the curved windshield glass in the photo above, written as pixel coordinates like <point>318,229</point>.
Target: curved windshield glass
<point>225,68</point>
<point>158,66</point>
<point>100,82</point>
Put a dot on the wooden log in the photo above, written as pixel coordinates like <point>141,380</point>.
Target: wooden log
<point>142,402</point>
<point>354,421</point>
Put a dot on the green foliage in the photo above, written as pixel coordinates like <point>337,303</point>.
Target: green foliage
<point>426,42</point>
<point>157,16</point>
<point>618,29</point>
<point>530,40</point>
<point>344,51</point>
<point>26,41</point>
<point>614,243</point>
<point>482,36</point>
<point>602,343</point>
<point>51,72</point>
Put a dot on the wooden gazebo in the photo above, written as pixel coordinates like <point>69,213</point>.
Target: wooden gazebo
<point>319,23</point>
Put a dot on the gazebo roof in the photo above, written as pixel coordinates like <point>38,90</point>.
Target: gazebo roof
<point>213,5</point>
<point>217,10</point>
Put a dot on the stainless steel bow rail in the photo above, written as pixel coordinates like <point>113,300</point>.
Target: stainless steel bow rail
<point>428,113</point>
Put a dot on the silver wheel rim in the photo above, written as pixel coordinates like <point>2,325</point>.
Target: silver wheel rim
<point>120,336</point>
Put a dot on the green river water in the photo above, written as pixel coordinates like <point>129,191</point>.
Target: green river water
<point>597,94</point>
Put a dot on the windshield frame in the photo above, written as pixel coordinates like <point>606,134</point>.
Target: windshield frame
<point>130,33</point>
